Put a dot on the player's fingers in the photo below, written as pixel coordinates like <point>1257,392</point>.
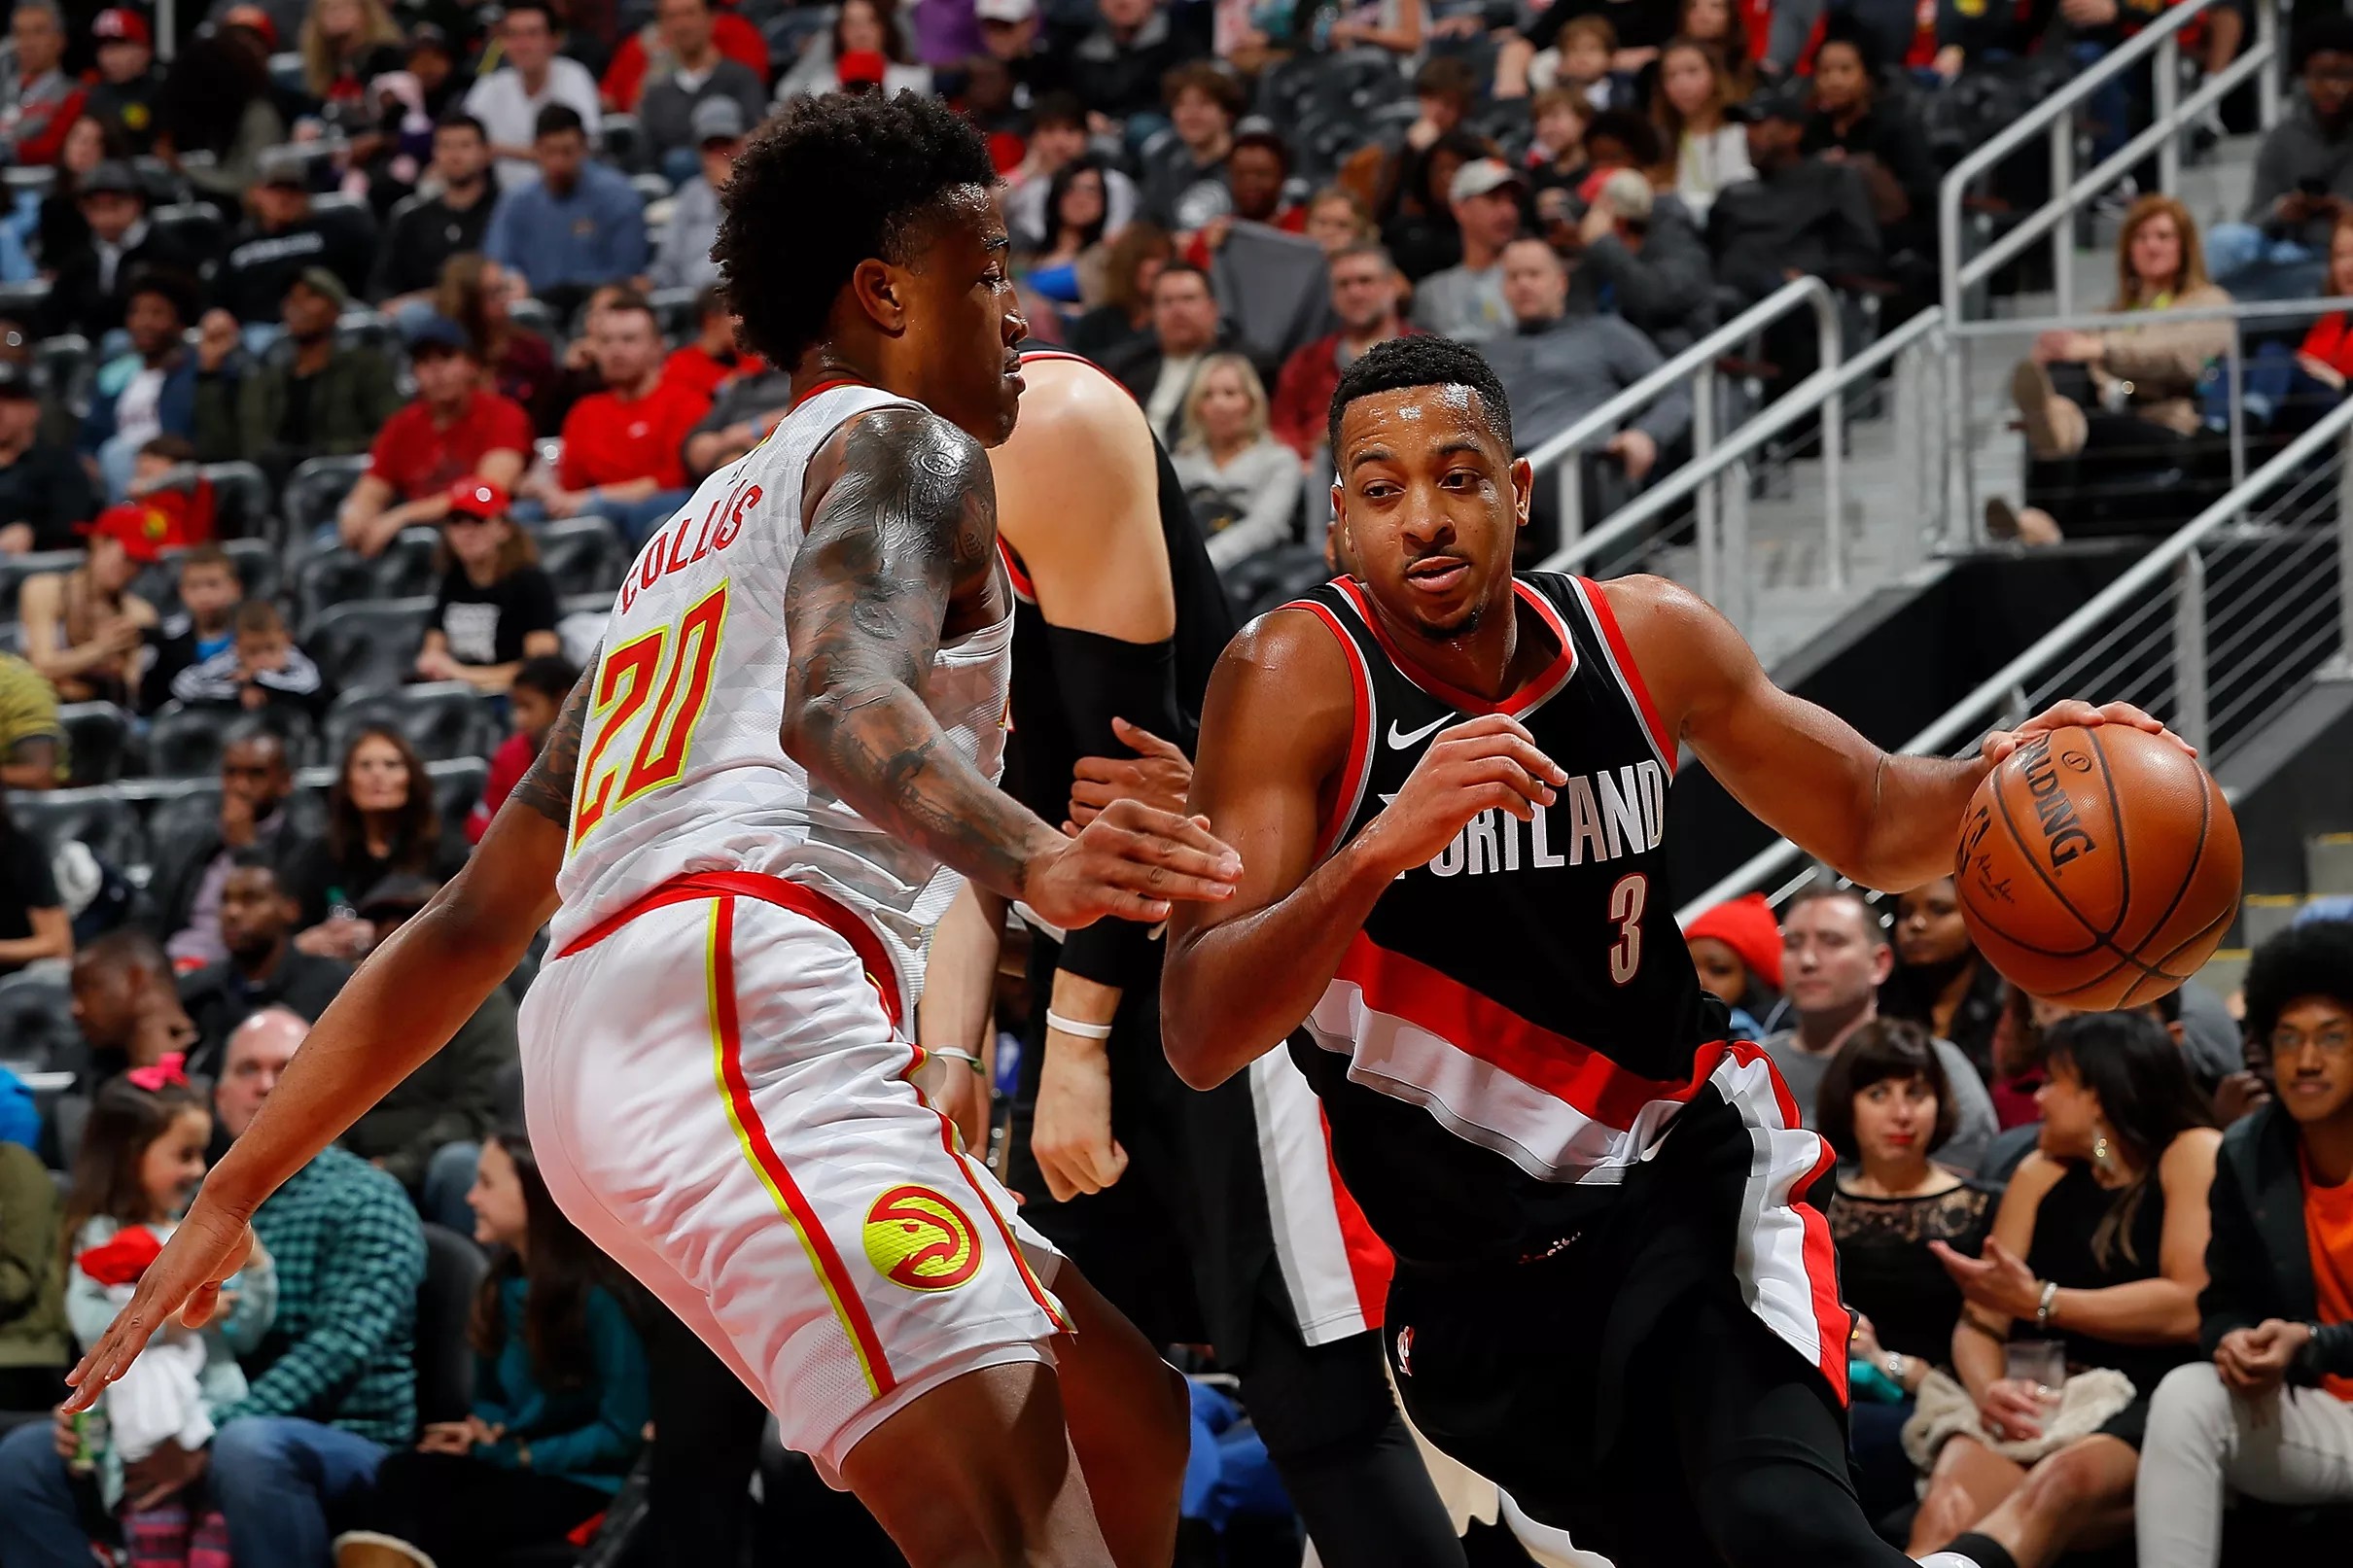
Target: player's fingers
<point>1511,774</point>
<point>1191,832</point>
<point>1057,1186</point>
<point>1211,863</point>
<point>1140,740</point>
<point>1486,724</point>
<point>1116,1165</point>
<point>203,1303</point>
<point>1520,750</point>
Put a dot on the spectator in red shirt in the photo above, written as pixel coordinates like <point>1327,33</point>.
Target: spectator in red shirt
<point>625,77</point>
<point>533,703</point>
<point>623,446</point>
<point>1366,289</point>
<point>454,429</point>
<point>41,102</point>
<point>712,359</point>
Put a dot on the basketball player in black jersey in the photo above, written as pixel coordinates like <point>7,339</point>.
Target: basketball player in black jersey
<point>1449,787</point>
<point>1158,1194</point>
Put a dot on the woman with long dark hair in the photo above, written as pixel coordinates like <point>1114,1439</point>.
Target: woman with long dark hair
<point>1079,208</point>
<point>60,229</point>
<point>216,99</point>
<point>2098,1250</point>
<point>381,819</point>
<point>560,1398</point>
<point>517,362</point>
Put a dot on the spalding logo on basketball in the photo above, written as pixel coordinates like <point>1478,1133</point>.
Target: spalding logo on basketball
<point>2098,867</point>
<point>920,1239</point>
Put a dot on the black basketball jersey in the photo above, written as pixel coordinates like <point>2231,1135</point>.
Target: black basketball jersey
<point>1519,1020</point>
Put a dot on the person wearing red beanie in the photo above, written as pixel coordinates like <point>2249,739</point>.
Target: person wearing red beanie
<point>1736,947</point>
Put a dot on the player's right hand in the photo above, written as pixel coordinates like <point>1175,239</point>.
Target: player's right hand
<point>1133,862</point>
<point>1487,763</point>
<point>1070,1134</point>
<point>184,1283</point>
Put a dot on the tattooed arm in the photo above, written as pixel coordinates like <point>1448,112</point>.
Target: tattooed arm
<point>901,547</point>
<point>406,1000</point>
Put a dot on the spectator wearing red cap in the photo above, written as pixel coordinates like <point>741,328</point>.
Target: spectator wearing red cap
<point>497,605</point>
<point>83,629</point>
<point>455,428</point>
<point>624,447</point>
<point>863,28</point>
<point>1737,947</point>
<point>124,98</point>
<point>38,102</point>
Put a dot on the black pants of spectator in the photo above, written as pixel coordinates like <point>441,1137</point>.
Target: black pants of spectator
<point>31,1388</point>
<point>468,1512</point>
<point>707,1429</point>
<point>2132,475</point>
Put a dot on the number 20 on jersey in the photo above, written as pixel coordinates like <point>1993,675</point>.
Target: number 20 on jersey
<point>663,680</point>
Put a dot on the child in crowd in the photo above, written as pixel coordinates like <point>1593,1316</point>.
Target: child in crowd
<point>141,1157</point>
<point>1585,46</point>
<point>534,701</point>
<point>165,475</point>
<point>1556,159</point>
<point>202,627</point>
<point>261,669</point>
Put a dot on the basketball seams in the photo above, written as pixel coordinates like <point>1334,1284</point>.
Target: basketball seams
<point>2198,856</point>
<point>2116,819</point>
<point>2099,940</point>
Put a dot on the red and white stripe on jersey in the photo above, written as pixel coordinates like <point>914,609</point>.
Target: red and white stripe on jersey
<point>1788,1267</point>
<point>1535,695</point>
<point>1619,661</point>
<point>1335,1270</point>
<point>1366,723</point>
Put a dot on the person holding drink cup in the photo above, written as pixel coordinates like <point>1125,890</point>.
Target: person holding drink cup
<point>2095,1265</point>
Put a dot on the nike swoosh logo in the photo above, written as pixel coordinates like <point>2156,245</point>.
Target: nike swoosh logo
<point>1399,740</point>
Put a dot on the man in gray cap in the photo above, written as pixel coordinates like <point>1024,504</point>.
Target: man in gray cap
<point>1467,302</point>
<point>686,73</point>
<point>92,280</point>
<point>683,259</point>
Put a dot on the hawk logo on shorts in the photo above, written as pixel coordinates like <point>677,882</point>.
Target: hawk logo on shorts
<point>920,1239</point>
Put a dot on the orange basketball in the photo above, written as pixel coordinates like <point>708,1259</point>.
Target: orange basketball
<point>2098,868</point>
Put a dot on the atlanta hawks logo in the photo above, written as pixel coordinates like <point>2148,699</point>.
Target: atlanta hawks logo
<point>920,1239</point>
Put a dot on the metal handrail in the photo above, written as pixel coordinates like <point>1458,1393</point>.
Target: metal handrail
<point>2054,117</point>
<point>1812,393</point>
<point>1696,360</point>
<point>1999,689</point>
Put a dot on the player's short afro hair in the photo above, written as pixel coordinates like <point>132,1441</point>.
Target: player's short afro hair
<point>1422,362</point>
<point>2312,959</point>
<point>828,183</point>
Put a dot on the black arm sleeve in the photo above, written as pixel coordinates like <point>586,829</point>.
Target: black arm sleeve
<point>1102,678</point>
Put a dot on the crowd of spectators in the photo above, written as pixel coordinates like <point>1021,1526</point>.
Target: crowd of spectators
<point>443,282</point>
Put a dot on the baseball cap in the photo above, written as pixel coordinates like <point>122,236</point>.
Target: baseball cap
<point>717,119</point>
<point>1261,131</point>
<point>427,35</point>
<point>437,332</point>
<point>145,533</point>
<point>1480,176</point>
<point>1789,107</point>
<point>860,65</point>
<point>284,165</point>
<point>16,380</point>
<point>320,281</point>
<point>118,25</point>
<point>111,177</point>
<point>254,18</point>
<point>476,498</point>
<point>1006,10</point>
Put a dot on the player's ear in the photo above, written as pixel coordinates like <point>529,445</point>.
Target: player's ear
<point>880,290</point>
<point>1523,489</point>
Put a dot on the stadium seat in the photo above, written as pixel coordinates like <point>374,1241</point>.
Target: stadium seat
<point>98,739</point>
<point>197,226</point>
<point>624,142</point>
<point>185,742</point>
<point>180,825</point>
<point>317,489</point>
<point>408,567</point>
<point>457,784</point>
<point>534,316</point>
<point>361,328</point>
<point>653,188</point>
<point>287,74</point>
<point>25,303</point>
<point>66,365</point>
<point>583,555</point>
<point>163,184</point>
<point>37,178</point>
<point>444,720</point>
<point>15,569</point>
<point>445,1359</point>
<point>240,499</point>
<point>369,645</point>
<point>259,566</point>
<point>674,309</point>
<point>99,817</point>
<point>327,579</point>
<point>36,1021</point>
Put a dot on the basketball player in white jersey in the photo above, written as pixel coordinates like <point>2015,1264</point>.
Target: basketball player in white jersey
<point>743,826</point>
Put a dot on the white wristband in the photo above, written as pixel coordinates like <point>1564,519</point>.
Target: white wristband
<point>1076,1029</point>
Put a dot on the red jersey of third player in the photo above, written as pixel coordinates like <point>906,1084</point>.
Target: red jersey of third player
<point>419,457</point>
<point>610,440</point>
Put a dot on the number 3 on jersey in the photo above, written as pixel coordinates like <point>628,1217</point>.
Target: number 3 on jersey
<point>680,659</point>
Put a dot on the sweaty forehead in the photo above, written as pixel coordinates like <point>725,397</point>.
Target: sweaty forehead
<point>1415,421</point>
<point>961,222</point>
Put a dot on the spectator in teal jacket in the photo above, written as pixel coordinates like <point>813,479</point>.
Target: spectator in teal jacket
<point>560,1400</point>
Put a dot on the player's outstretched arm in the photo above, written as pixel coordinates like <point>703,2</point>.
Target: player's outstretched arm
<point>1243,974</point>
<point>906,525</point>
<point>1884,820</point>
<point>408,1000</point>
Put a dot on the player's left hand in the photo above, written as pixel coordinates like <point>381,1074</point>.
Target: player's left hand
<point>1158,775</point>
<point>2072,712</point>
<point>1071,1135</point>
<point>1999,1281</point>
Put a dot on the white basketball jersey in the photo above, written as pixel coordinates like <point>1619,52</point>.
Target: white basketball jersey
<point>680,766</point>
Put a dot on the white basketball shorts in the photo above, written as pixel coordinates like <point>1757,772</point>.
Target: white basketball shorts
<point>721,1095</point>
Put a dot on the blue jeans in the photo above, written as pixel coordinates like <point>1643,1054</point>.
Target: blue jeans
<point>2253,265</point>
<point>271,1477</point>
